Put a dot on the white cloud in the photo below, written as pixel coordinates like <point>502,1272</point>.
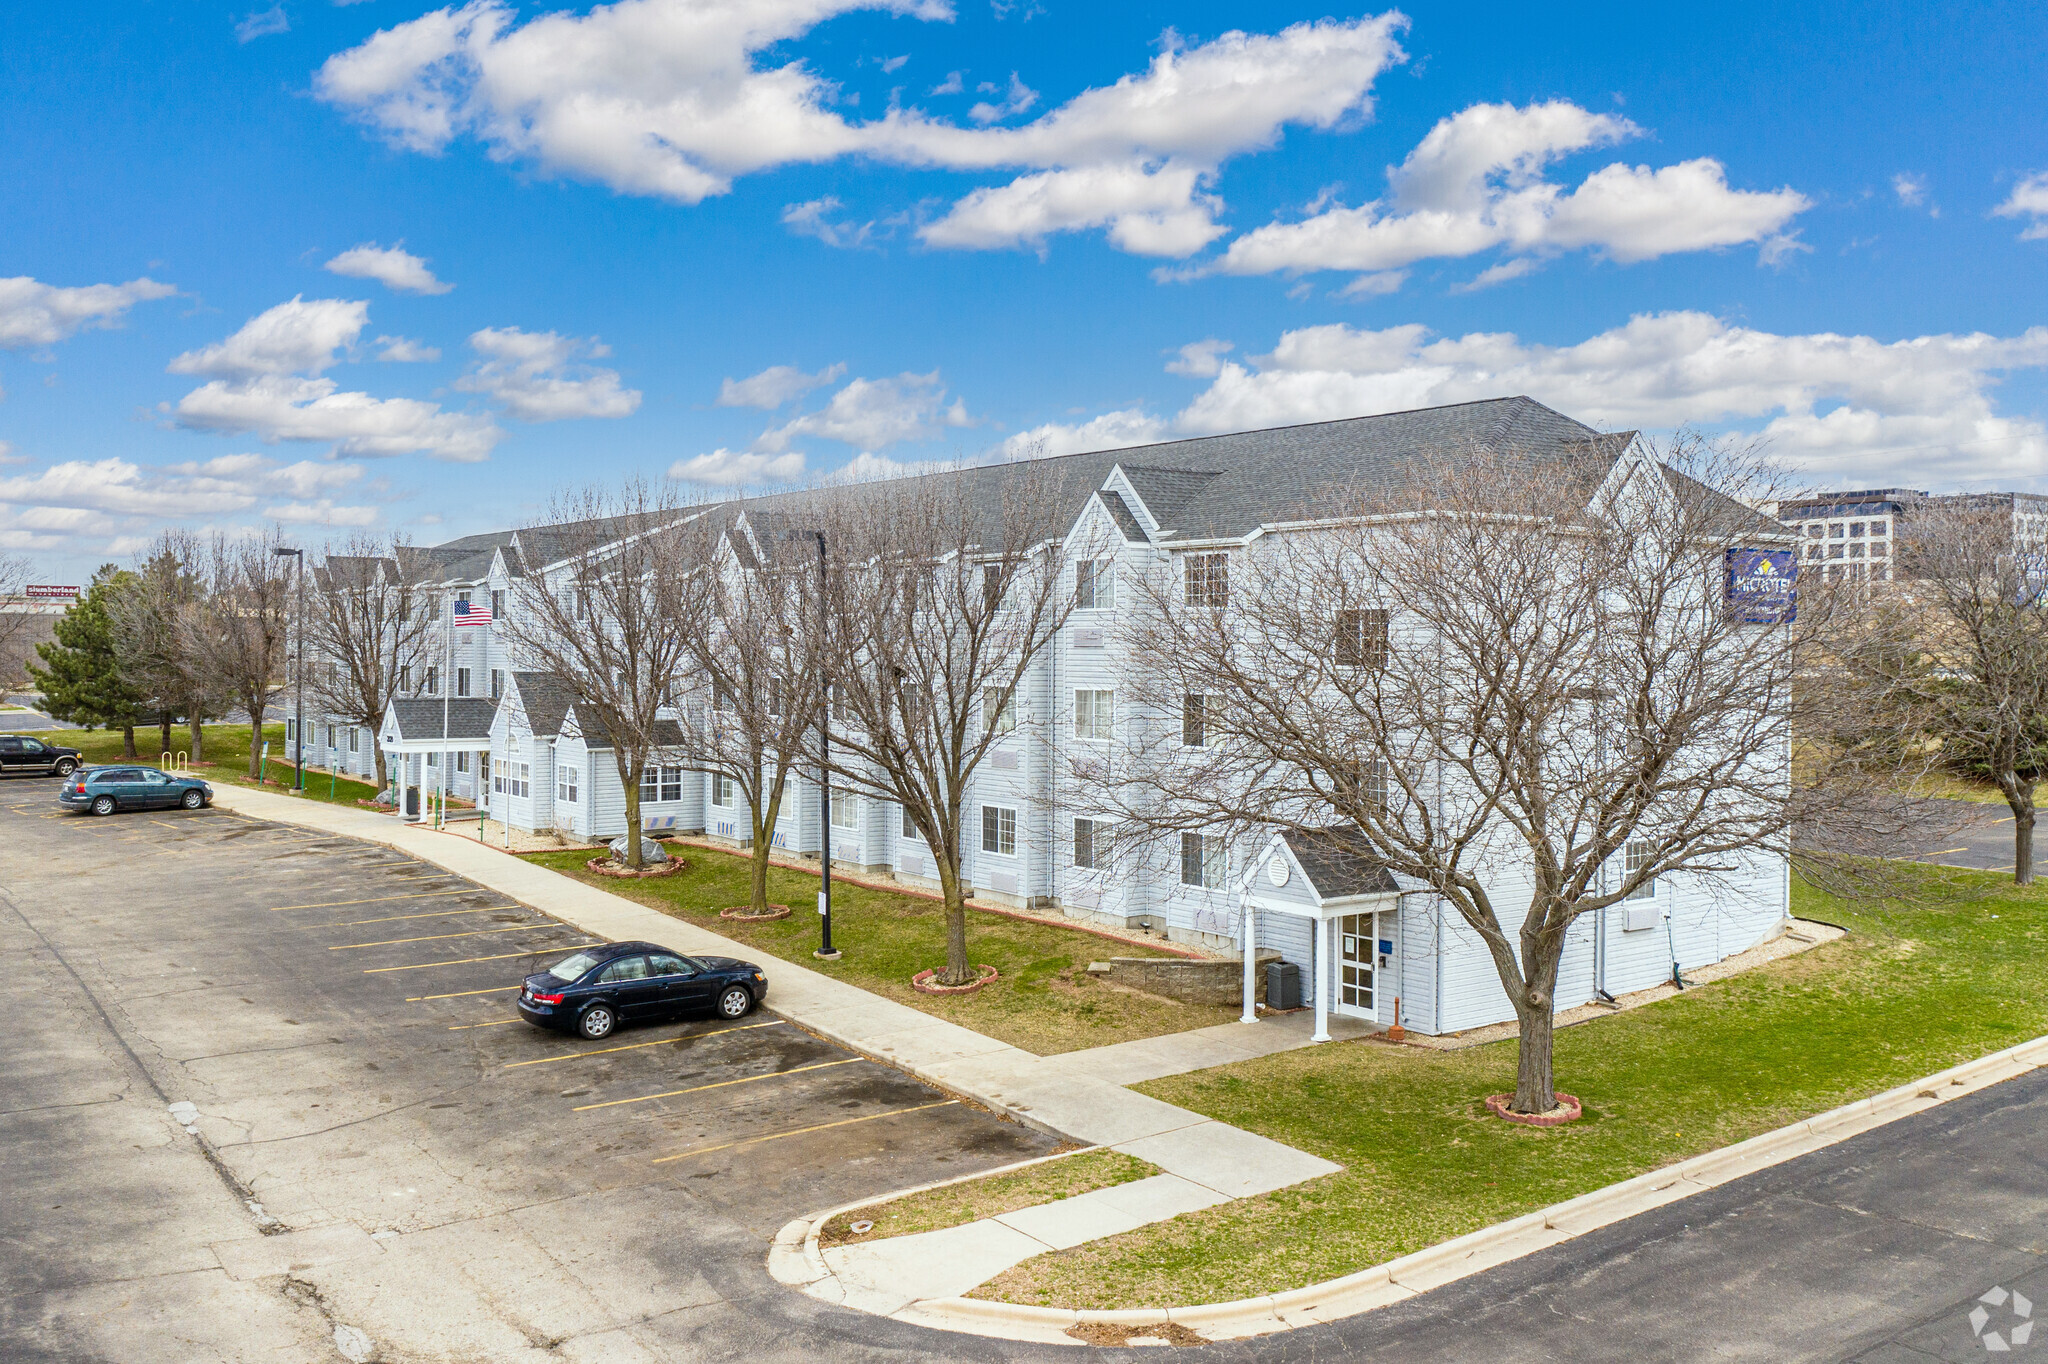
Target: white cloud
<point>1148,212</point>
<point>873,413</point>
<point>539,378</point>
<point>403,350</point>
<point>951,85</point>
<point>7,455</point>
<point>813,218</point>
<point>263,385</point>
<point>1382,282</point>
<point>1110,431</point>
<point>1019,99</point>
<point>1476,182</point>
<point>261,24</point>
<point>1839,406</point>
<point>2029,199</point>
<point>735,468</point>
<point>1911,189</point>
<point>292,338</point>
<point>393,266</point>
<point>774,386</point>
<point>115,486</point>
<point>35,314</point>
<point>322,513</point>
<point>891,65</point>
<point>675,100</point>
<point>1200,359</point>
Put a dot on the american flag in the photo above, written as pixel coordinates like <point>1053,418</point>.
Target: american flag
<point>472,613</point>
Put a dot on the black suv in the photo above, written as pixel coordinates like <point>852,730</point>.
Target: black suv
<point>21,753</point>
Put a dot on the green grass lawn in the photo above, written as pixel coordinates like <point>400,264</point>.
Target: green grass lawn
<point>1908,993</point>
<point>227,756</point>
<point>1046,1001</point>
<point>992,1196</point>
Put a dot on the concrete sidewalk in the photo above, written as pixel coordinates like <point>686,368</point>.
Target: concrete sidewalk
<point>1079,1095</point>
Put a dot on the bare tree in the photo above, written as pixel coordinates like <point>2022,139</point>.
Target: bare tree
<point>601,577</point>
<point>943,592</point>
<point>1958,653</point>
<point>150,630</point>
<point>1503,678</point>
<point>15,623</point>
<point>237,631</point>
<point>370,622</point>
<point>750,620</point>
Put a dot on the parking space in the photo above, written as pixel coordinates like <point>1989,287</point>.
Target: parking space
<point>340,1016</point>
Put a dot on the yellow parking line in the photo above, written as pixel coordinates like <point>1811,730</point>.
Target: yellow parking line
<point>378,899</point>
<point>717,1084</point>
<point>464,961</point>
<point>635,1046</point>
<point>436,937</point>
<point>458,994</point>
<point>1944,852</point>
<point>799,1131</point>
<point>394,918</point>
<point>495,1023</point>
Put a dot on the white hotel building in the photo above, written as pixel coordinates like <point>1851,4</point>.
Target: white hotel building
<point>514,739</point>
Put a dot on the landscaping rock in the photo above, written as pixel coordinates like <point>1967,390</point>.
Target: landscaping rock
<point>652,854</point>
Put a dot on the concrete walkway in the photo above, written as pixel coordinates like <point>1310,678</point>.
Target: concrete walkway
<point>1079,1095</point>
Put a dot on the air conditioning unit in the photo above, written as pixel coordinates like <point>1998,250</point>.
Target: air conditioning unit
<point>913,864</point>
<point>1641,916</point>
<point>1003,881</point>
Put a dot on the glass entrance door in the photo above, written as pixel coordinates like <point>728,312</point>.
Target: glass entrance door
<point>1357,937</point>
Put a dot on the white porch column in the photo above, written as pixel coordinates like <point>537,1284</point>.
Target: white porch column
<point>1320,964</point>
<point>1250,938</point>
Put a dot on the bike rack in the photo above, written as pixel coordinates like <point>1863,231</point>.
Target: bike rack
<point>180,761</point>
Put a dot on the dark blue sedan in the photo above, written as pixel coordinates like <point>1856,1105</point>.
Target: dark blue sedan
<point>103,790</point>
<point>599,988</point>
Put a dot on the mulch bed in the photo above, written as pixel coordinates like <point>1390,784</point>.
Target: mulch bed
<point>1114,1333</point>
<point>1567,1110</point>
<point>745,913</point>
<point>604,866</point>
<point>926,982</point>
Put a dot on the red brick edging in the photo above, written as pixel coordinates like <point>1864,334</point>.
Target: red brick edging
<point>604,866</point>
<point>923,983</point>
<point>1568,1110</point>
<point>745,914</point>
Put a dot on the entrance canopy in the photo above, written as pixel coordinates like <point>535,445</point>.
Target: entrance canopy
<point>413,725</point>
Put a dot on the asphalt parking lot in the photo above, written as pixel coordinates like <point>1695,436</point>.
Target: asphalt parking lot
<point>340,1017</point>
<point>1970,835</point>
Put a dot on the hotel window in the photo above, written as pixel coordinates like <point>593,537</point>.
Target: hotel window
<point>1834,551</point>
<point>355,738</point>
<point>1879,528</point>
<point>497,683</point>
<point>1837,531</point>
<point>998,710</point>
<point>910,826</point>
<point>1208,579</point>
<point>999,830</point>
<point>565,784</point>
<point>1856,530</point>
<point>1194,716</point>
<point>434,680</point>
<point>462,681</point>
<point>1634,858</point>
<point>671,783</point>
<point>1815,530</point>
<point>1855,551</point>
<point>330,736</point>
<point>723,789</point>
<point>1202,861</point>
<point>433,760</point>
<point>462,761</point>
<point>1092,843</point>
<point>291,730</point>
<point>518,779</point>
<point>845,810</point>
<point>1095,584</point>
<point>404,677</point>
<point>1880,550</point>
<point>1093,713</point>
<point>497,605</point>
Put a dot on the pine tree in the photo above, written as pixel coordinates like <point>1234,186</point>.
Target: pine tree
<point>81,679</point>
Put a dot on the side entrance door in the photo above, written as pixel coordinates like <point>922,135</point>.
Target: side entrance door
<point>1357,949</point>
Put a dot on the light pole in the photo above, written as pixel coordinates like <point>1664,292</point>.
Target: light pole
<point>299,708</point>
<point>825,951</point>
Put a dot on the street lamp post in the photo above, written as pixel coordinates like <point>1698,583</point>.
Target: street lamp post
<point>825,951</point>
<point>299,706</point>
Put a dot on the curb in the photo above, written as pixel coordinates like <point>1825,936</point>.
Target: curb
<point>1410,1275</point>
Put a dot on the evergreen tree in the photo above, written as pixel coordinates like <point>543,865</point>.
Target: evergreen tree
<point>81,678</point>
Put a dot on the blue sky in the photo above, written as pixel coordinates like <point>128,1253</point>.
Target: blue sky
<point>413,270</point>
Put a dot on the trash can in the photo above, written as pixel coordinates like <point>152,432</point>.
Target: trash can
<point>1283,985</point>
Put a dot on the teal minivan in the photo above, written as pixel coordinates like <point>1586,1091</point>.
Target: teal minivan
<point>103,790</point>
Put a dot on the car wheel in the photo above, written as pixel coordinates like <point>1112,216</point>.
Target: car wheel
<point>735,1002</point>
<point>103,805</point>
<point>65,767</point>
<point>597,1021</point>
<point>192,800</point>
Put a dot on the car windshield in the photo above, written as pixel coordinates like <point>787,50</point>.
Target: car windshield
<point>573,968</point>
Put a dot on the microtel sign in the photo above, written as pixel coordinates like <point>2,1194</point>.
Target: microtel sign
<point>1763,585</point>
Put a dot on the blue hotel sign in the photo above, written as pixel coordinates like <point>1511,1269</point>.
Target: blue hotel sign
<point>1763,585</point>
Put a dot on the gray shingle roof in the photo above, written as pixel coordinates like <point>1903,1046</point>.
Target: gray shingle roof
<point>545,698</point>
<point>1121,513</point>
<point>1339,863</point>
<point>469,717</point>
